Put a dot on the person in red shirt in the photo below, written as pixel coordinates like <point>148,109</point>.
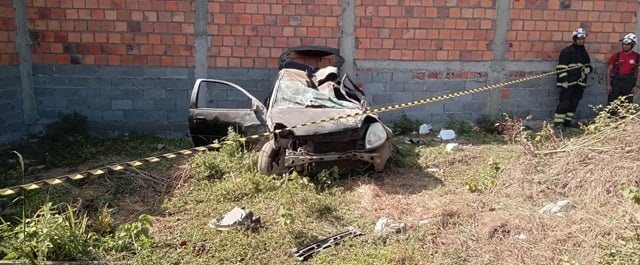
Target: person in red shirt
<point>622,72</point>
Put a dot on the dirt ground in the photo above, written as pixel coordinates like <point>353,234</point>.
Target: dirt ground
<point>508,224</point>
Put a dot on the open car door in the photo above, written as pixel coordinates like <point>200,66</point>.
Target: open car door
<point>216,105</point>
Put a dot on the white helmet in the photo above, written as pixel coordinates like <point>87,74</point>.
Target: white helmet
<point>579,33</point>
<point>630,38</point>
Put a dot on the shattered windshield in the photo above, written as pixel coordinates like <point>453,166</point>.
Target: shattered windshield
<point>292,91</point>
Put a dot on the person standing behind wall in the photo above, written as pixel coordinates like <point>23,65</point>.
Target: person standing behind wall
<point>573,82</point>
<point>622,72</point>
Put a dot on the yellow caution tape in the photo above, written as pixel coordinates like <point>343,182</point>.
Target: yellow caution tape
<point>215,146</point>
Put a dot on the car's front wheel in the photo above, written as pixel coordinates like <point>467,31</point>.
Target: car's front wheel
<point>271,160</point>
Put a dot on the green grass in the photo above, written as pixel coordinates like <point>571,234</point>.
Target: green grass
<point>184,196</point>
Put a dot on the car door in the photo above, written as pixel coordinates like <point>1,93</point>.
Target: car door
<point>217,105</point>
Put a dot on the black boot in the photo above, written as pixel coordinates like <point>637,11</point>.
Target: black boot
<point>558,126</point>
<point>569,124</point>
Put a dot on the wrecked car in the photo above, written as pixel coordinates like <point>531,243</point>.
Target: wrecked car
<point>308,88</point>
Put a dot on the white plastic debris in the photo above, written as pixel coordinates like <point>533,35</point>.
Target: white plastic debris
<point>388,226</point>
<point>451,147</point>
<point>433,169</point>
<point>521,237</point>
<point>237,217</point>
<point>559,208</point>
<point>424,128</point>
<point>380,224</point>
<point>446,134</point>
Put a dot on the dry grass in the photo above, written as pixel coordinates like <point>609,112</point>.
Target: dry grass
<point>505,226</point>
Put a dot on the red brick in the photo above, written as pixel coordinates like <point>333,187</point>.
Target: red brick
<point>154,60</point>
<point>97,14</point>
<point>150,16</point>
<point>166,61</point>
<point>60,37</point>
<point>110,14</point>
<point>62,59</point>
<point>171,6</point>
<point>46,36</point>
<point>505,93</point>
<point>126,60</point>
<point>119,4</point>
<point>155,38</point>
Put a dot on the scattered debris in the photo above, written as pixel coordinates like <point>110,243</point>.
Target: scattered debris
<point>239,216</point>
<point>387,226</point>
<point>433,169</point>
<point>451,147</point>
<point>425,128</point>
<point>559,208</point>
<point>521,237</point>
<point>447,134</point>
<point>308,251</point>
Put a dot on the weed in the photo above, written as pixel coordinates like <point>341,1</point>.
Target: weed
<point>104,223</point>
<point>622,251</point>
<point>327,178</point>
<point>405,125</point>
<point>286,218</point>
<point>631,193</point>
<point>129,239</point>
<point>403,155</point>
<point>229,159</point>
<point>65,236</point>
<point>512,128</point>
<point>461,127</point>
<point>487,124</point>
<point>49,236</point>
<point>608,115</point>
<point>486,178</point>
<point>67,128</point>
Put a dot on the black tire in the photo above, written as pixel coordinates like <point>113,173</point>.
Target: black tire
<point>270,160</point>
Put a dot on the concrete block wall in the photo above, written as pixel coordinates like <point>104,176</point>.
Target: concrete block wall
<point>11,120</point>
<point>116,98</point>
<point>395,83</point>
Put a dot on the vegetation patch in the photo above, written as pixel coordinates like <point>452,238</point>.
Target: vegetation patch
<point>480,203</point>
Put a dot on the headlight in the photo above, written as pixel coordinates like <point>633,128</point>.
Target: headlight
<point>376,135</point>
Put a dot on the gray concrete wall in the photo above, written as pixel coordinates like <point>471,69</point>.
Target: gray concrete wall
<point>11,114</point>
<point>389,83</point>
<point>116,98</point>
<point>153,99</point>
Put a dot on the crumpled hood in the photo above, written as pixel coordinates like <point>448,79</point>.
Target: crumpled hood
<point>295,116</point>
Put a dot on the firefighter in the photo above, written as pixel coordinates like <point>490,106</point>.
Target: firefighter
<point>622,72</point>
<point>572,82</point>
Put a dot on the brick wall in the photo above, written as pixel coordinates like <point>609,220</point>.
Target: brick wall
<point>540,29</point>
<point>8,54</point>
<point>424,30</point>
<point>112,32</point>
<point>254,33</point>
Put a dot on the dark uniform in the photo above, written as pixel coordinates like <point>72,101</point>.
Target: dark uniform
<point>575,81</point>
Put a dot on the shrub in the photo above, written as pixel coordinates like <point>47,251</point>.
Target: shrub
<point>405,125</point>
<point>68,126</point>
<point>461,127</point>
<point>62,236</point>
<point>487,124</point>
